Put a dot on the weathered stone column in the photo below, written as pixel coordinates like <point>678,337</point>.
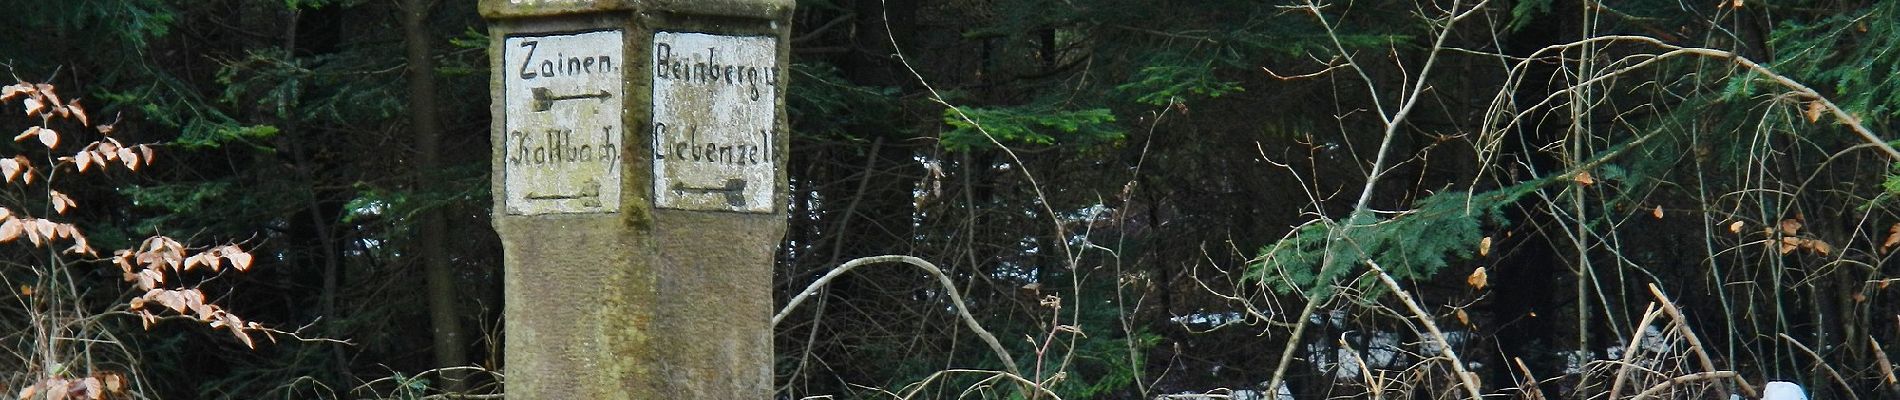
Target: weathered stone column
<point>639,188</point>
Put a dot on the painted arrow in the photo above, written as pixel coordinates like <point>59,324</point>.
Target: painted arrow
<point>734,191</point>
<point>544,99</point>
<point>589,195</point>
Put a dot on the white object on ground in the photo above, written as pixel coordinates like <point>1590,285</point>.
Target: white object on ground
<point>1779,390</point>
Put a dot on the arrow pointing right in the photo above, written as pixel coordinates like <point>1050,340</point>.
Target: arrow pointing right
<point>544,99</point>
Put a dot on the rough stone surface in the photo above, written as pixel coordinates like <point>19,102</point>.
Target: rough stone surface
<point>760,9</point>
<point>635,301</point>
<point>715,301</point>
<point>579,314</point>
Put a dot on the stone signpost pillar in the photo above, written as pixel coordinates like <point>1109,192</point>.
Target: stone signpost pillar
<point>639,189</point>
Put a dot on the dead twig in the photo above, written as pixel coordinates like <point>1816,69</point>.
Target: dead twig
<point>1469,380</point>
<point>949,288</point>
<point>1880,358</point>
<point>1629,352</point>
<point>1831,373</point>
<point>1530,381</point>
<point>1695,345</point>
<point>1690,378</point>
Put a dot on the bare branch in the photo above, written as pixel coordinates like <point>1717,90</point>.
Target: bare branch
<point>949,288</point>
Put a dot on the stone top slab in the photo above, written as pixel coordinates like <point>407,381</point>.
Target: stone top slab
<point>761,9</point>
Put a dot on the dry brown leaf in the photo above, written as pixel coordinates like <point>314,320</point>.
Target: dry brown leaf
<point>150,279</point>
<point>193,262</point>
<point>57,389</point>
<point>192,295</point>
<point>1818,246</point>
<point>1814,111</point>
<point>124,259</point>
<point>148,259</point>
<point>81,246</point>
<point>1463,319</point>
<point>205,312</point>
<point>130,158</point>
<point>229,320</point>
<point>1893,237</point>
<point>1484,246</point>
<point>95,390</point>
<point>82,160</point>
<point>1860,297</point>
<point>32,228</point>
<point>46,228</point>
<point>168,299</point>
<point>49,138</point>
<point>11,91</point>
<point>114,382</point>
<point>1790,226</point>
<point>47,90</point>
<point>29,133</point>
<point>161,252</point>
<point>243,336</point>
<point>1657,212</point>
<point>10,168</point>
<point>239,260</point>
<point>10,230</point>
<point>29,391</point>
<point>1478,279</point>
<point>174,252</point>
<point>79,111</point>
<point>1584,178</point>
<point>1789,244</point>
<point>1735,227</point>
<point>60,202</point>
<point>34,106</point>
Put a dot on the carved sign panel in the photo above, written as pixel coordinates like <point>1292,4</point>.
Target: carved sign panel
<point>715,113</point>
<point>563,102</point>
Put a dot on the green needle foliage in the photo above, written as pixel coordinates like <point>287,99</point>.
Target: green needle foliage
<point>1416,244</point>
<point>1028,125</point>
<point>1853,55</point>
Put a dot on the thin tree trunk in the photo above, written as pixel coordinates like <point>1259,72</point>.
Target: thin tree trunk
<point>432,237</point>
<point>319,220</point>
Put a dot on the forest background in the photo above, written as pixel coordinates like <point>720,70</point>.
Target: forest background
<point>1419,199</point>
